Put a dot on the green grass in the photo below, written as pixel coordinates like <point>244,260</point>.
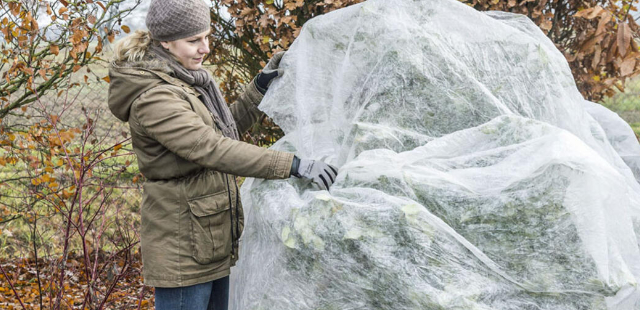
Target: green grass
<point>16,237</point>
<point>627,104</point>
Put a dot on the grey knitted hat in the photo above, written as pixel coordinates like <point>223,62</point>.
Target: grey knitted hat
<point>170,20</point>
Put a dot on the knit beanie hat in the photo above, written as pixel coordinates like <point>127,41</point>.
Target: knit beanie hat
<point>170,20</point>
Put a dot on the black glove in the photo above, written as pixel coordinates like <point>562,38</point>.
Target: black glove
<point>270,72</point>
<point>320,173</point>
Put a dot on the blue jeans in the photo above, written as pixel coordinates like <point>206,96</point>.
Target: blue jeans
<point>212,295</point>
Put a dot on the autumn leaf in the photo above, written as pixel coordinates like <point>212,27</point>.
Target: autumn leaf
<point>596,58</point>
<point>43,74</point>
<point>589,13</point>
<point>14,8</point>
<point>107,79</point>
<point>125,28</point>
<point>54,49</point>
<point>546,25</point>
<point>624,38</point>
<point>589,45</point>
<point>627,66</point>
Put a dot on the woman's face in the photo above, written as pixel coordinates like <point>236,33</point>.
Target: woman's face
<point>190,51</point>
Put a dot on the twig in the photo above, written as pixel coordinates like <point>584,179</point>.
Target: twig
<point>141,296</point>
<point>35,253</point>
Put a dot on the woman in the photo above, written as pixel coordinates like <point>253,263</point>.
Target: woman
<point>186,141</point>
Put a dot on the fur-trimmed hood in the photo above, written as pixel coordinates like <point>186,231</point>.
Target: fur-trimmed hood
<point>130,79</point>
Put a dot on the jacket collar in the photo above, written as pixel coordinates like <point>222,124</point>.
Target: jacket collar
<point>156,67</point>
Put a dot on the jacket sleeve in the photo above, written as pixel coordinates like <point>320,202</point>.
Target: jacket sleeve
<point>245,108</point>
<point>166,117</point>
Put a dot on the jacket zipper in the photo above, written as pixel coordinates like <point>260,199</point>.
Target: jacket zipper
<point>226,178</point>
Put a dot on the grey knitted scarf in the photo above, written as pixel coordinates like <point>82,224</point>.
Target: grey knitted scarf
<point>204,84</point>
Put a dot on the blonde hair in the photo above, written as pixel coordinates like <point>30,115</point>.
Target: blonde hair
<point>132,47</point>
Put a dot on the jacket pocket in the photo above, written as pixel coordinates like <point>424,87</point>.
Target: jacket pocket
<point>210,227</point>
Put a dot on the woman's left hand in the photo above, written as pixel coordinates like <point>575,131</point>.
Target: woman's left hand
<point>270,72</point>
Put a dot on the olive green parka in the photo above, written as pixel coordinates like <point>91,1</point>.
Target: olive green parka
<point>191,213</point>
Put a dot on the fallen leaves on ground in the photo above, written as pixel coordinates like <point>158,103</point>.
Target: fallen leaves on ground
<point>22,274</point>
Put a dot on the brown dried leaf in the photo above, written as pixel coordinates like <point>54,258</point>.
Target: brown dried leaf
<point>125,28</point>
<point>596,57</point>
<point>546,25</point>
<point>43,74</point>
<point>246,11</point>
<point>590,13</point>
<point>98,47</point>
<point>627,66</point>
<point>604,20</point>
<point>588,46</point>
<point>290,6</point>
<point>14,8</point>
<point>54,49</point>
<point>613,49</point>
<point>624,38</point>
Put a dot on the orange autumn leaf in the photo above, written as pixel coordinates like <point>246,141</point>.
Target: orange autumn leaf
<point>54,49</point>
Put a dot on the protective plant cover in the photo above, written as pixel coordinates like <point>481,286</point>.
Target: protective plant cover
<point>471,177</point>
<point>619,134</point>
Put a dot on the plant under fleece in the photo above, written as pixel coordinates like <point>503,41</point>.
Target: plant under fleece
<point>471,175</point>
